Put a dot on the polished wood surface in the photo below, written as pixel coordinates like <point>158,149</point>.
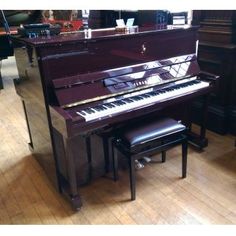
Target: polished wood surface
<point>62,144</point>
<point>216,54</point>
<point>60,75</point>
<point>207,196</point>
<point>104,34</point>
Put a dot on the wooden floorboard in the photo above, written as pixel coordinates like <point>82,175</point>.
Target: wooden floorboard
<point>206,196</point>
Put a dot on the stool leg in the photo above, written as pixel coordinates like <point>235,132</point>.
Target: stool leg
<point>132,178</point>
<point>114,162</point>
<point>184,158</point>
<point>163,156</point>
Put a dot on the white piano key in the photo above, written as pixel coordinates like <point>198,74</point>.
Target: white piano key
<point>145,101</point>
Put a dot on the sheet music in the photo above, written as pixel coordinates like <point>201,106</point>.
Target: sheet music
<point>130,22</point>
<point>120,23</point>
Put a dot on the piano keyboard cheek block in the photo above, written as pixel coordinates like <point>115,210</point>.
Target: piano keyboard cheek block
<point>81,90</point>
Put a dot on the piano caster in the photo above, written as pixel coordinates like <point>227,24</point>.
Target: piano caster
<point>203,143</point>
<point>75,201</point>
<point>197,141</point>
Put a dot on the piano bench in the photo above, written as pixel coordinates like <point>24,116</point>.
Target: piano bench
<point>148,139</point>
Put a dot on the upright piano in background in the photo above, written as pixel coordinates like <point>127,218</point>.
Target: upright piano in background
<point>217,54</point>
<point>76,87</point>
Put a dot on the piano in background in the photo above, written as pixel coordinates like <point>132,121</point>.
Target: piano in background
<point>5,45</point>
<point>9,21</point>
<point>217,54</point>
<point>75,87</point>
<point>5,50</point>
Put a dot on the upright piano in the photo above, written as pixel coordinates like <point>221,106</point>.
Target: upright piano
<point>77,87</point>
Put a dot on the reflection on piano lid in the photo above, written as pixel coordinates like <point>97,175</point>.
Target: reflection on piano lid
<point>128,80</point>
<point>154,72</point>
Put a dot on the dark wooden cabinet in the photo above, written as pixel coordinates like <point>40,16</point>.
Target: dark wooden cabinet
<point>217,54</point>
<point>1,83</point>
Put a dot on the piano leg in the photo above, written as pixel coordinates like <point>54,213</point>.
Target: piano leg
<point>79,158</point>
<point>71,193</point>
<point>74,200</point>
<point>200,140</point>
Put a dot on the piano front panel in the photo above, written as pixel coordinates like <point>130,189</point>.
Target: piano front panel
<point>73,58</point>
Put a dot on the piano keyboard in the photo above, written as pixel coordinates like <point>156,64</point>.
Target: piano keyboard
<point>180,88</point>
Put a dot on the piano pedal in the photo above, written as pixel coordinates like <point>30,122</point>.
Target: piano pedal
<point>138,165</point>
<point>146,159</point>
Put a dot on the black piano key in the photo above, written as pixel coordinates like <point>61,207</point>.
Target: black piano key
<point>142,96</point>
<point>119,103</point>
<point>89,110</point>
<point>139,97</point>
<point>113,104</point>
<point>135,98</point>
<point>146,96</point>
<point>109,105</point>
<point>127,100</point>
<point>98,108</point>
<point>104,107</point>
<point>131,100</point>
<point>154,93</point>
<point>83,113</point>
<point>116,103</point>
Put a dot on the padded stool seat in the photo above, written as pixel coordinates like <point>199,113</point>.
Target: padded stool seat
<point>156,129</point>
<point>147,139</point>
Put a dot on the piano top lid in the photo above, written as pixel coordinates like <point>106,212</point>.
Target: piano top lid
<point>98,34</point>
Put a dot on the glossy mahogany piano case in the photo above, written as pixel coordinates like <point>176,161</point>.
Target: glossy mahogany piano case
<point>77,86</point>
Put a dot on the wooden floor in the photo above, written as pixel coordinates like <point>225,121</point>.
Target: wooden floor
<point>206,196</point>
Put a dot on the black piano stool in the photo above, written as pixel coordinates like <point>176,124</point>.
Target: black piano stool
<point>148,139</point>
